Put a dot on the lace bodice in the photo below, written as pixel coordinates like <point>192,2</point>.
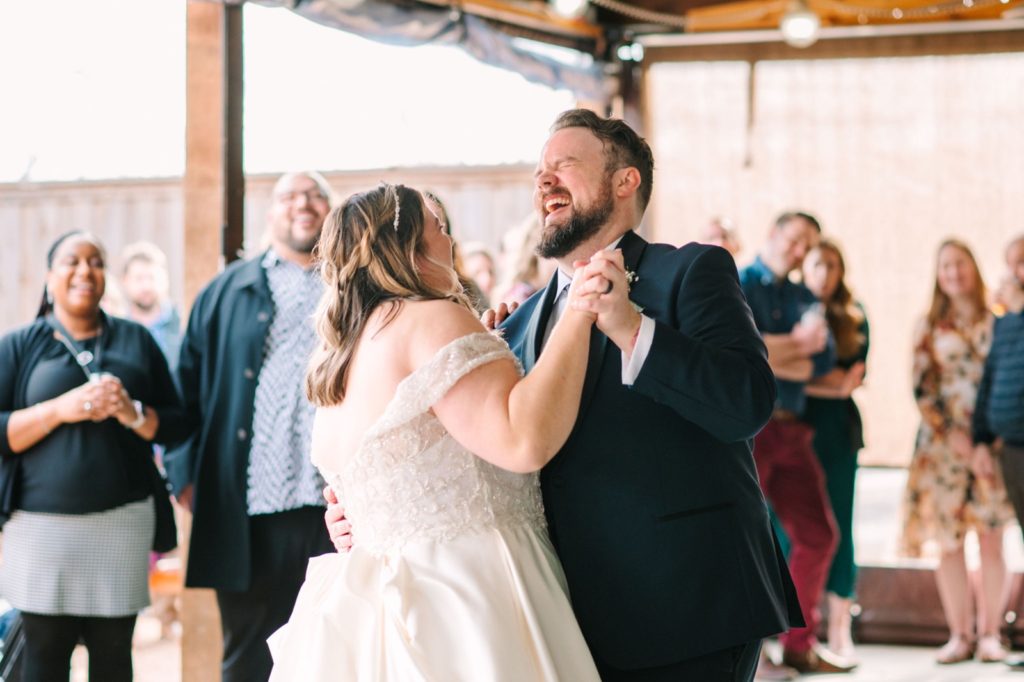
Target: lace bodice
<point>410,480</point>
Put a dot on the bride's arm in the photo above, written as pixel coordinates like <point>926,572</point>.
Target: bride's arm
<point>519,424</point>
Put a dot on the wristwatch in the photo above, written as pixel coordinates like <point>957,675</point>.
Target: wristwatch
<point>140,419</point>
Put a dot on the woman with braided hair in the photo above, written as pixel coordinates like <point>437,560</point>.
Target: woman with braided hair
<point>431,437</point>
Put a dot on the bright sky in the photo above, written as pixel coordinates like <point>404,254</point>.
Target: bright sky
<point>96,90</point>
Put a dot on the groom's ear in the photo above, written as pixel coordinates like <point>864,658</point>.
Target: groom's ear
<point>626,182</point>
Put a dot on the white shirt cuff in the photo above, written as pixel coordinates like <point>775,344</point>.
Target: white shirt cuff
<point>632,364</point>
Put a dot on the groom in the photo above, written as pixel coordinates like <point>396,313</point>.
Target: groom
<point>653,503</point>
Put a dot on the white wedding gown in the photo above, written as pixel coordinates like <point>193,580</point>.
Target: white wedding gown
<point>452,577</point>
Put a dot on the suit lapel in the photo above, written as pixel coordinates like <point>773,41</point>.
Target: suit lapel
<point>595,358</point>
<point>538,324</point>
<point>632,246</point>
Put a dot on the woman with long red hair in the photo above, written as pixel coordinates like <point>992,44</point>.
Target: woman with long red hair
<point>949,490</point>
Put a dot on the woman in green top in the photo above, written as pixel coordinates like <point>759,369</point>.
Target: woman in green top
<point>837,425</point>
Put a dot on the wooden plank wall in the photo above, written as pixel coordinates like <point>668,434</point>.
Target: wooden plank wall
<point>484,202</point>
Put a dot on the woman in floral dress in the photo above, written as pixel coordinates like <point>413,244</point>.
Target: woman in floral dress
<point>949,490</point>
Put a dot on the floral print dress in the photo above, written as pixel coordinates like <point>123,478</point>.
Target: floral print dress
<point>943,497</point>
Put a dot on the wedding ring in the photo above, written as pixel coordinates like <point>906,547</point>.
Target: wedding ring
<point>87,406</point>
<point>610,287</point>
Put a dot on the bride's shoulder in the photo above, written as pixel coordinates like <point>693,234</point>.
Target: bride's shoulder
<point>431,325</point>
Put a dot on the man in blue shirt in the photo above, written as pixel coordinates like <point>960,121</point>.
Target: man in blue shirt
<point>792,323</point>
<point>145,283</point>
<point>998,421</point>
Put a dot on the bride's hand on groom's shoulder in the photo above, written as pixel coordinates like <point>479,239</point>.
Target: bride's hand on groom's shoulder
<point>493,317</point>
<point>338,527</point>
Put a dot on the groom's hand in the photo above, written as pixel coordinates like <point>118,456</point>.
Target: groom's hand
<point>338,526</point>
<point>605,292</point>
<point>492,317</point>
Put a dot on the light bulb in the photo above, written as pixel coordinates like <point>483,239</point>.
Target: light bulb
<point>570,9</point>
<point>800,25</point>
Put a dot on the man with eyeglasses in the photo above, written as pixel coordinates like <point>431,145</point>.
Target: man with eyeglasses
<point>246,472</point>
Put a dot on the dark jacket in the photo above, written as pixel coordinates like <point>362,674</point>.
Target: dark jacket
<point>653,503</point>
<point>221,356</point>
<point>999,411</point>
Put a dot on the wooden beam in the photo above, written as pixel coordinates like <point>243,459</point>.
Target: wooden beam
<point>915,45</point>
<point>214,191</point>
<point>535,16</point>
<point>758,14</point>
<point>233,230</point>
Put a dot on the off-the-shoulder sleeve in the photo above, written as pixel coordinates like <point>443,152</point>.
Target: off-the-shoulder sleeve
<point>430,382</point>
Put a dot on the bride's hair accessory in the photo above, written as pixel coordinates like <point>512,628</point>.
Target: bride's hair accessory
<point>398,204</point>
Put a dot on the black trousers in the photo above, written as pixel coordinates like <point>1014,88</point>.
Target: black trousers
<point>49,641</point>
<point>735,664</point>
<point>282,544</point>
<point>1011,461</point>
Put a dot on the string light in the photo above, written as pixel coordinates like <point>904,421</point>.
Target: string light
<point>570,9</point>
<point>800,25</point>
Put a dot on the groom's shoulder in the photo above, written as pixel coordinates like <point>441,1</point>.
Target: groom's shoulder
<point>671,257</point>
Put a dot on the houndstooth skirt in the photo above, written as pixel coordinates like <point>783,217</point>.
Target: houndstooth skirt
<point>79,564</point>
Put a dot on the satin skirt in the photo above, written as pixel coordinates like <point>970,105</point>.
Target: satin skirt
<point>490,605</point>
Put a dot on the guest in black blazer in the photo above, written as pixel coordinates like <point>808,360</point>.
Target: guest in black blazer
<point>653,503</point>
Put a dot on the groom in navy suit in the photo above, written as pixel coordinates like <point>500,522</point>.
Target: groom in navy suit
<point>653,503</point>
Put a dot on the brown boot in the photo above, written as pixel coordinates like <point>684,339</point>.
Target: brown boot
<point>767,669</point>
<point>817,659</point>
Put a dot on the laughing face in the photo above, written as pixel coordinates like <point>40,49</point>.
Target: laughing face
<point>77,277</point>
<point>297,213</point>
<point>572,191</point>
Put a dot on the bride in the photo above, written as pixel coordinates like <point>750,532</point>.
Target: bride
<point>432,439</point>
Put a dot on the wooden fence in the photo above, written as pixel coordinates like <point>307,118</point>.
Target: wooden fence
<point>483,202</point>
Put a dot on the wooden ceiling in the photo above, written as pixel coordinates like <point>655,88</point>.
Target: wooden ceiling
<point>732,15</point>
<point>607,21</point>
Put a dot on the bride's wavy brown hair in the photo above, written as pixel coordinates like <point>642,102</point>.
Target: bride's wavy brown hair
<point>368,258</point>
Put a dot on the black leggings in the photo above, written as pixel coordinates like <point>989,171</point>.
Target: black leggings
<point>49,641</point>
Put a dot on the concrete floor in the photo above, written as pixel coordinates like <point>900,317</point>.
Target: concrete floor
<point>916,664</point>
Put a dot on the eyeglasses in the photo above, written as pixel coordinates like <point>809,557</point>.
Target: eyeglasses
<point>310,194</point>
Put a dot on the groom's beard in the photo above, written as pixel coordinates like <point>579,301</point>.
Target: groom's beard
<point>557,241</point>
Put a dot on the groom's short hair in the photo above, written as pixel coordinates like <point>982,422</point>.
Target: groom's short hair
<point>623,148</point>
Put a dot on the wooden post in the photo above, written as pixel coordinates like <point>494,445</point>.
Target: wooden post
<point>214,194</point>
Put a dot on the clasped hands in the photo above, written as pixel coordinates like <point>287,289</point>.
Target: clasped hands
<point>102,397</point>
<point>601,289</point>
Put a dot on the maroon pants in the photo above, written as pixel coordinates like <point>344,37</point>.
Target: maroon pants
<point>792,480</point>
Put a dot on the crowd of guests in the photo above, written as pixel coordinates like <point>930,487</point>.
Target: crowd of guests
<point>966,470</point>
<point>85,395</point>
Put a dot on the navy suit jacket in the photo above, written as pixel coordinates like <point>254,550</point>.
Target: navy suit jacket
<point>653,503</point>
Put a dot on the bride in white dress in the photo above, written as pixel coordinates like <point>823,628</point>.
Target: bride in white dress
<point>432,440</point>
